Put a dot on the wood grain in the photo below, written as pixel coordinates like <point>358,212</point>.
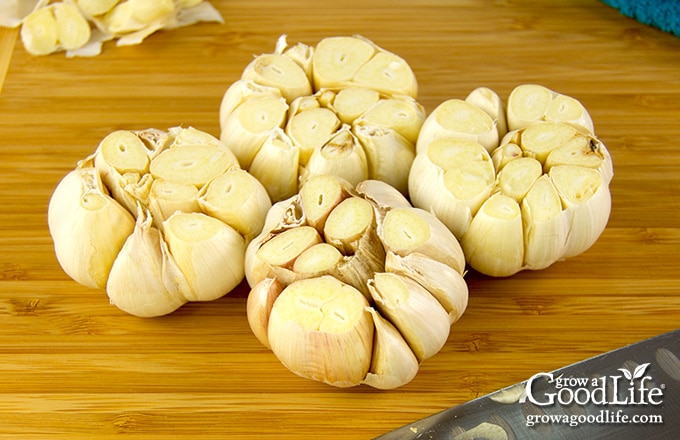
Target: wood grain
<point>73,366</point>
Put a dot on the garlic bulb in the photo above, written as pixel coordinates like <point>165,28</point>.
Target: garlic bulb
<point>345,107</point>
<point>537,195</point>
<point>157,219</point>
<point>79,27</point>
<point>353,285</point>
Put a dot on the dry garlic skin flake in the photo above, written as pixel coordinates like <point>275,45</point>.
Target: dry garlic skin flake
<point>538,195</point>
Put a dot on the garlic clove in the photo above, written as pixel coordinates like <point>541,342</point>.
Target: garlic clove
<point>388,73</point>
<point>276,256</point>
<point>458,119</point>
<point>195,164</point>
<point>147,11</point>
<point>154,288</point>
<point>420,318</point>
<point>311,129</point>
<point>259,305</point>
<point>587,198</point>
<point>209,253</point>
<point>280,181</point>
<point>445,283</point>
<point>452,178</point>
<point>167,196</point>
<point>488,100</point>
<point>279,71</point>
<point>320,195</point>
<point>96,7</point>
<point>408,230</point>
<point>238,199</point>
<point>337,59</point>
<point>393,364</point>
<point>342,155</point>
<point>351,102</point>
<point>250,123</point>
<point>494,242</point>
<point>347,223</point>
<point>240,91</point>
<point>72,27</point>
<point>546,225</point>
<point>40,32</point>
<point>87,226</point>
<point>389,155</point>
<point>529,103</point>
<point>320,329</point>
<point>383,195</point>
<point>518,176</point>
<point>403,115</point>
<point>317,260</point>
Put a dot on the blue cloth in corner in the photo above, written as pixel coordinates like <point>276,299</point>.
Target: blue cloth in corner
<point>662,14</point>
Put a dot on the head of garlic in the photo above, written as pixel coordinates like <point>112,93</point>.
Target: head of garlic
<point>521,187</point>
<point>345,107</point>
<point>352,285</point>
<point>157,218</point>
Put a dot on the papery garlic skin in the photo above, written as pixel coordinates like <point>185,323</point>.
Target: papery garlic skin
<point>539,195</point>
<point>345,107</point>
<point>158,219</point>
<point>398,269</point>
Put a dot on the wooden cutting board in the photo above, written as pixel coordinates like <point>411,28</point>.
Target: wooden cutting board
<point>73,366</point>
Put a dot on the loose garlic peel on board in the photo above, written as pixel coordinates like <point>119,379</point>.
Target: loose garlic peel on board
<point>352,285</point>
<point>157,218</point>
<point>345,107</point>
<point>79,27</point>
<point>518,199</point>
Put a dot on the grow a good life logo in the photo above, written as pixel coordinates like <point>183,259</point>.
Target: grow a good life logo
<point>613,396</point>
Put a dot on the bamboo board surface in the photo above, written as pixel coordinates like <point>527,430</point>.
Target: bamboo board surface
<point>73,366</point>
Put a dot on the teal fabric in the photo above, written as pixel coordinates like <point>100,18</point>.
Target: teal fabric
<point>662,14</point>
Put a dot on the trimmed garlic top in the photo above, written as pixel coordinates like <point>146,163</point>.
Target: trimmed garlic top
<point>157,219</point>
<point>353,285</point>
<point>518,199</point>
<point>345,107</point>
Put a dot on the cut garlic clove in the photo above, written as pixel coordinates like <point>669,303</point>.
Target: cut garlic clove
<point>320,195</point>
<point>452,178</point>
<point>208,252</point>
<point>494,242</point>
<point>250,123</point>
<point>317,260</point>
<point>240,91</point>
<point>320,329</point>
<point>193,164</point>
<point>383,195</point>
<point>347,223</point>
<point>352,102</point>
<point>167,196</point>
<point>337,59</point>
<point>586,197</point>
<point>445,283</point>
<point>259,305</point>
<point>458,119</point>
<point>529,103</point>
<point>546,225</point>
<point>147,11</point>
<point>403,115</point>
<point>72,27</point>
<point>393,364</point>
<point>154,288</point>
<point>389,155</point>
<point>342,155</point>
<point>96,7</point>
<point>281,72</point>
<point>488,100</point>
<point>276,165</point>
<point>420,318</point>
<point>238,199</point>
<point>40,32</point>
<point>311,129</point>
<point>408,230</point>
<point>87,226</point>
